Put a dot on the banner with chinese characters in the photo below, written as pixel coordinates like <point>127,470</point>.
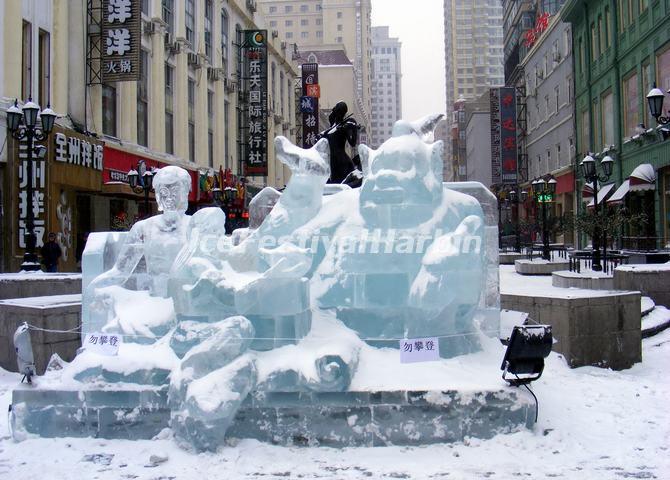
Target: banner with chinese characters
<point>309,104</point>
<point>121,40</point>
<point>253,102</point>
<point>37,203</point>
<point>503,136</point>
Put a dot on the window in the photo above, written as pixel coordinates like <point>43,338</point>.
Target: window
<point>289,34</point>
<point>144,6</point>
<point>582,54</point>
<point>190,22</point>
<point>43,87</point>
<point>273,9</point>
<point>319,21</point>
<point>304,8</point>
<point>226,143</point>
<point>208,29</point>
<point>647,84</point>
<point>319,34</point>
<point>663,68</point>
<point>594,42</point>
<point>281,92</point>
<point>643,5</point>
<point>224,40</point>
<point>339,14</point>
<point>288,23</point>
<point>584,132</point>
<point>608,28</point>
<point>168,15</point>
<point>169,109</point>
<point>304,34</point>
<point>631,100</point>
<point>595,119</point>
<point>338,39</point>
<point>622,15</point>
<point>273,86</point>
<point>607,108</point>
<point>210,128</point>
<point>304,22</point>
<point>568,83</point>
<point>27,61</point>
<point>109,110</point>
<point>288,9</point>
<point>191,120</point>
<point>557,93</point>
<point>273,23</point>
<point>143,100</point>
<point>601,35</point>
<point>339,28</point>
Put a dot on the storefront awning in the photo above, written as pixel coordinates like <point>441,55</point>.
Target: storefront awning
<point>566,183</point>
<point>620,193</point>
<point>643,178</point>
<point>604,191</point>
<point>587,190</point>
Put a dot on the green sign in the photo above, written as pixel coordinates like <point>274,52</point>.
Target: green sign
<point>545,198</point>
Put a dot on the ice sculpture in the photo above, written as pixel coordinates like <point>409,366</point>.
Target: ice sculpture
<point>407,260</point>
<point>248,339</point>
<point>154,243</point>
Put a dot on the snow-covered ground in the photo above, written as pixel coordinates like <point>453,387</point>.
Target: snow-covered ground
<point>593,424</point>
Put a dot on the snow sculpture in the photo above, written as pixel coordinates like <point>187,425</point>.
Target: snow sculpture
<point>409,262</point>
<point>156,241</point>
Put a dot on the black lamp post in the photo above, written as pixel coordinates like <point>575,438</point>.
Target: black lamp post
<point>591,176</point>
<point>141,183</point>
<point>544,193</point>
<point>22,124</point>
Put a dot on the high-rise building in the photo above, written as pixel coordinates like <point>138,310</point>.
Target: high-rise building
<point>315,23</point>
<point>386,84</point>
<point>473,51</point>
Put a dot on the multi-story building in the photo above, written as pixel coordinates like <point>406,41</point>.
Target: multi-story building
<point>335,23</point>
<point>386,84</point>
<point>473,52</point>
<point>183,109</point>
<point>621,49</point>
<point>550,138</point>
<point>478,133</point>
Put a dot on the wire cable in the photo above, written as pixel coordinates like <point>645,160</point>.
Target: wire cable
<point>537,404</point>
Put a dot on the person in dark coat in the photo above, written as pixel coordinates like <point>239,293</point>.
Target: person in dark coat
<point>343,129</point>
<point>51,253</point>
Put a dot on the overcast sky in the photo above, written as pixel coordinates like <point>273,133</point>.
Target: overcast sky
<point>419,25</point>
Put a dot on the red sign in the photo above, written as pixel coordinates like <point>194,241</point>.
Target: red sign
<point>118,163</point>
<point>313,90</point>
<point>531,36</point>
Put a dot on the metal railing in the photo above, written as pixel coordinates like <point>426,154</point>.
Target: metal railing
<point>583,259</point>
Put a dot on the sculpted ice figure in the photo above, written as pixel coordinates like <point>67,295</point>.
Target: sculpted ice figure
<point>262,278</point>
<point>409,262</point>
<point>156,240</point>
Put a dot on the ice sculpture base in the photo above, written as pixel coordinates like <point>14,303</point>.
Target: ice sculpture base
<point>333,419</point>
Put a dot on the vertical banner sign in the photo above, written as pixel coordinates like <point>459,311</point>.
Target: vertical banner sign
<point>495,136</point>
<point>508,135</point>
<point>253,98</point>
<point>37,202</point>
<point>121,40</point>
<point>309,104</point>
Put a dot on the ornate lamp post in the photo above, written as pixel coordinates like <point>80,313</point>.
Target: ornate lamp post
<point>141,180</point>
<point>544,193</point>
<point>588,166</point>
<point>30,131</point>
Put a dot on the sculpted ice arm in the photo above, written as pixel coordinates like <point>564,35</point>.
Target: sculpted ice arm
<point>129,256</point>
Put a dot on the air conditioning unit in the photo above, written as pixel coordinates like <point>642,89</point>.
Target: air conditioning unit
<point>171,44</point>
<point>214,74</point>
<point>277,119</point>
<point>195,60</point>
<point>148,28</point>
<point>251,5</point>
<point>283,45</point>
<point>229,85</point>
<point>275,33</point>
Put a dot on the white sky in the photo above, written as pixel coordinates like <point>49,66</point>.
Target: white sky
<point>419,25</point>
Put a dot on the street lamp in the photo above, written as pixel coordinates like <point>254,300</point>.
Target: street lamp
<point>591,176</point>
<point>544,193</point>
<point>22,124</point>
<point>655,97</point>
<point>141,180</point>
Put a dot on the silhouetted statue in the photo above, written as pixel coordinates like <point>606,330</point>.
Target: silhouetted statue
<point>343,129</point>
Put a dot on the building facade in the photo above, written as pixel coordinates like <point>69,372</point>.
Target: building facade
<point>473,54</point>
<point>333,24</point>
<point>478,139</point>
<point>182,111</point>
<point>621,49</point>
<point>386,85</point>
<point>550,138</point>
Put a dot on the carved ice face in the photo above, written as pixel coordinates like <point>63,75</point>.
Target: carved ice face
<point>402,171</point>
<point>172,197</point>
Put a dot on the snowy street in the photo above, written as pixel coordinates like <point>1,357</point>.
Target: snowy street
<point>593,424</point>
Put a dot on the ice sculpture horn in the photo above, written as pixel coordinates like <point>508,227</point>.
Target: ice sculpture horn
<point>315,160</point>
<point>425,126</point>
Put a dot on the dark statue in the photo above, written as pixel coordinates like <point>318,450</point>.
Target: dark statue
<point>343,129</point>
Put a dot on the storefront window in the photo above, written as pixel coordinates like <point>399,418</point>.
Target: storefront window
<point>663,68</point>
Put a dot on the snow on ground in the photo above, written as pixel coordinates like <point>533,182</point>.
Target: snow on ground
<point>593,424</point>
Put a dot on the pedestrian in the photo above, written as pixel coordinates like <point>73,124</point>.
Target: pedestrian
<point>51,252</point>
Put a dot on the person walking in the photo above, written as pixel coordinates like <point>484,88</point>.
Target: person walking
<point>51,253</point>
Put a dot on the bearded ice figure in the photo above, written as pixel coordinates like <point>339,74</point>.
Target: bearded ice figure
<point>410,262</point>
